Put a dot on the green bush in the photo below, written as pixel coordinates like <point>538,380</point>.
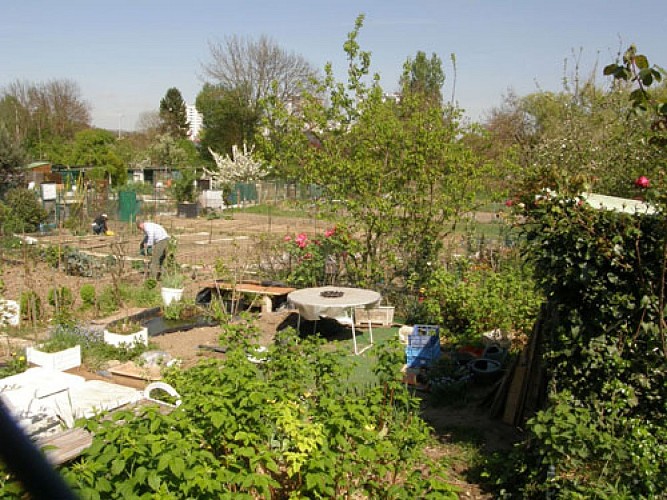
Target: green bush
<point>25,211</point>
<point>471,299</point>
<point>88,294</point>
<point>603,432</point>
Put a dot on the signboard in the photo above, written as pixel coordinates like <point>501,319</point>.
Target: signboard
<point>48,192</point>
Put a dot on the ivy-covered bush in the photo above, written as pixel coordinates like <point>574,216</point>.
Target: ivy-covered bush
<point>604,431</point>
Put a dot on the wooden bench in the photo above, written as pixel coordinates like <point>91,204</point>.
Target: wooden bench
<point>266,292</point>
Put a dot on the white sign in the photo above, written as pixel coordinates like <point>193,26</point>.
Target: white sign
<point>48,192</point>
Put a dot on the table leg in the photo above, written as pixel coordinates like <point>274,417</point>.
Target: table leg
<point>354,333</point>
<point>354,336</point>
<point>370,330</point>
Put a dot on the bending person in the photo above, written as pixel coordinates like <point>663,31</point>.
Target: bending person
<point>100,224</point>
<point>157,238</point>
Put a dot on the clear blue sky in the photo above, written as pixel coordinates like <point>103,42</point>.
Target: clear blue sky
<point>125,54</point>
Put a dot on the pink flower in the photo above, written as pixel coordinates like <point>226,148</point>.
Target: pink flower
<point>302,240</point>
<point>509,203</point>
<point>642,182</point>
<point>329,232</point>
<point>287,238</point>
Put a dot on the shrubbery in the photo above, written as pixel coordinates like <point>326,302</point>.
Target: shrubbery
<point>287,428</point>
<point>604,431</point>
<point>21,212</point>
<point>470,298</point>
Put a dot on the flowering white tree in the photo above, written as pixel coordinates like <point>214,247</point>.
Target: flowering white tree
<point>240,167</point>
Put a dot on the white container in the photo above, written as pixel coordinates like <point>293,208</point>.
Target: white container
<point>59,361</point>
<point>131,339</point>
<point>381,315</point>
<point>170,294</point>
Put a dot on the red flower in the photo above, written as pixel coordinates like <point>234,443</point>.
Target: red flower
<point>302,240</point>
<point>642,182</point>
<point>329,232</point>
<point>509,203</point>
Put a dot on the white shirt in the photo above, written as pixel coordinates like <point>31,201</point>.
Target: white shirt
<point>154,233</point>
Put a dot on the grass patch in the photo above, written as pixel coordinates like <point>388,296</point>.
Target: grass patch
<point>363,364</point>
<point>274,211</point>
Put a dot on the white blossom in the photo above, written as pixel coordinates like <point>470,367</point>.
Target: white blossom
<point>241,167</point>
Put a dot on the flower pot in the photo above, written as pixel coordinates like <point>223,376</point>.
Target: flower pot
<point>129,339</point>
<point>60,361</point>
<point>169,294</point>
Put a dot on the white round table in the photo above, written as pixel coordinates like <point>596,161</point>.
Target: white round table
<point>334,302</point>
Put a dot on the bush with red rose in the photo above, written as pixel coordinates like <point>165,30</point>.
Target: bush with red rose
<point>317,259</point>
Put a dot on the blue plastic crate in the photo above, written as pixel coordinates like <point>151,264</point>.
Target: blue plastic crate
<point>424,352</point>
<point>423,340</point>
<point>426,330</point>
<point>422,356</point>
<point>419,361</point>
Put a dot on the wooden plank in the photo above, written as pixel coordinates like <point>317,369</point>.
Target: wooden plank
<point>66,445</point>
<point>132,370</point>
<point>252,288</point>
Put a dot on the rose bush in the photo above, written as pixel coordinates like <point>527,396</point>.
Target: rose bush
<point>317,261</point>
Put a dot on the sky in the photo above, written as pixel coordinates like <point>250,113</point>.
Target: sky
<point>124,55</point>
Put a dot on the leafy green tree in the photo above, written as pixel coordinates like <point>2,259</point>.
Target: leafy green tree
<point>423,75</point>
<point>401,173</point>
<point>229,119</point>
<point>96,148</point>
<point>170,152</point>
<point>12,158</point>
<point>173,115</point>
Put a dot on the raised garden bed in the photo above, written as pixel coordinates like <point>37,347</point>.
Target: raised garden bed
<point>60,360</point>
<point>156,324</point>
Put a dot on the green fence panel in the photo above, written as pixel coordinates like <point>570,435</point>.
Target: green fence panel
<point>242,192</point>
<point>128,206</point>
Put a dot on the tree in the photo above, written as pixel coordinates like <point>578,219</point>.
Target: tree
<point>167,151</point>
<point>423,75</point>
<point>229,118</point>
<point>399,169</point>
<point>96,148</point>
<point>241,166</point>
<point>252,66</point>
<point>12,158</point>
<point>173,115</point>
